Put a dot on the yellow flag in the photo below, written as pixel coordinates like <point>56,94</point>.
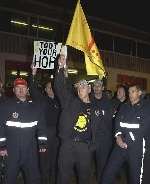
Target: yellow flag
<point>80,38</point>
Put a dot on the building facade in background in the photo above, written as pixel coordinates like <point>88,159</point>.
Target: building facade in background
<point>125,51</point>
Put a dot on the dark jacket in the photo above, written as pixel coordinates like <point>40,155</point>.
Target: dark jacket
<point>2,98</point>
<point>103,114</point>
<point>73,108</point>
<point>22,126</point>
<point>133,122</point>
<point>75,116</point>
<point>52,107</point>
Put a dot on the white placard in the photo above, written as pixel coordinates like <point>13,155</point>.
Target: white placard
<point>45,54</point>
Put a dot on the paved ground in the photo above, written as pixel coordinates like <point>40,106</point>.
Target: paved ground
<point>74,182</point>
<point>120,180</point>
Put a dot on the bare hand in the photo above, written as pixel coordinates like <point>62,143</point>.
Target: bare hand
<point>120,142</point>
<point>62,61</point>
<point>3,153</point>
<point>34,70</point>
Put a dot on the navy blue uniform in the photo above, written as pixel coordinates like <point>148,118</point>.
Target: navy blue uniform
<point>132,124</point>
<point>52,110</point>
<point>2,98</point>
<point>22,133</point>
<point>2,158</point>
<point>103,132</point>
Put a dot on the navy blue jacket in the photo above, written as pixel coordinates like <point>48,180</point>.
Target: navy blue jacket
<point>133,122</point>
<point>22,125</point>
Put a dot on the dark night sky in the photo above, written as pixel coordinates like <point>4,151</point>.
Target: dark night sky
<point>124,12</point>
<point>129,12</point>
<point>135,13</point>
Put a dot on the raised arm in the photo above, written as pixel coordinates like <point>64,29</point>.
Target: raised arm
<point>60,83</point>
<point>35,92</point>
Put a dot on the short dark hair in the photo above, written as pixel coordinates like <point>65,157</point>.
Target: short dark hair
<point>121,86</point>
<point>48,81</point>
<point>138,87</point>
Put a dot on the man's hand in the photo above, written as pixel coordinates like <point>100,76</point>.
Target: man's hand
<point>62,61</point>
<point>34,70</point>
<point>42,150</point>
<point>3,153</point>
<point>120,142</point>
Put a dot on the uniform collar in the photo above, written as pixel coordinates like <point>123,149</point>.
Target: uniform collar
<point>23,102</point>
<point>138,104</point>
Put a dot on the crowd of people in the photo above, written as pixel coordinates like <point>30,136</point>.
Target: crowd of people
<point>53,134</point>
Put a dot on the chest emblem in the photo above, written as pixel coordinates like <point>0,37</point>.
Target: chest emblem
<point>15,115</point>
<point>98,112</point>
<point>81,124</point>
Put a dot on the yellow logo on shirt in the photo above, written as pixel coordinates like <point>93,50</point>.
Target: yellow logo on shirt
<point>81,124</point>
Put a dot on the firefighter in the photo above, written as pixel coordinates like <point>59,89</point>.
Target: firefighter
<point>22,134</point>
<point>120,97</point>
<point>2,154</point>
<point>132,128</point>
<point>2,96</point>
<point>48,160</point>
<point>104,113</point>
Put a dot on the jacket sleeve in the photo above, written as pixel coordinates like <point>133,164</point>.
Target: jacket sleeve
<point>118,119</point>
<point>41,128</point>
<point>108,117</point>
<point>61,88</point>
<point>35,92</point>
<point>2,127</point>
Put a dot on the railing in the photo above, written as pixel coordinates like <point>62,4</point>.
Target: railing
<point>19,44</point>
<point>127,62</point>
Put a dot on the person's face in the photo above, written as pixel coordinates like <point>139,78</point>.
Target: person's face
<point>48,89</point>
<point>134,94</point>
<point>108,94</point>
<point>83,91</point>
<point>98,88</point>
<point>21,91</point>
<point>121,93</point>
